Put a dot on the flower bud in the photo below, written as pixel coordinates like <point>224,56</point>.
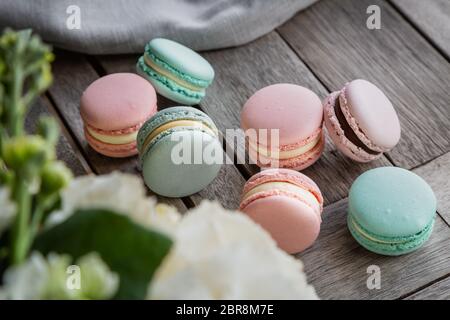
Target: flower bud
<point>23,152</point>
<point>54,177</point>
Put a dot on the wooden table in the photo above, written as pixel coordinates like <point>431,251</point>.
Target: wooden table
<point>321,48</point>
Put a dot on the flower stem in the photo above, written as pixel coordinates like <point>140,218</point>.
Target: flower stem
<point>20,232</point>
<point>16,103</point>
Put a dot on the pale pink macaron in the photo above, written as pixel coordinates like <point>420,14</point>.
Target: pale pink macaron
<point>296,114</point>
<point>287,204</point>
<point>361,121</point>
<point>113,109</point>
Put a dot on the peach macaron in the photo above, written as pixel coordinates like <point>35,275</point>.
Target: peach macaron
<point>283,125</point>
<point>287,204</point>
<point>113,109</point>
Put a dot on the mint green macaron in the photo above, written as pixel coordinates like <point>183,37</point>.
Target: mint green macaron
<point>391,211</point>
<point>176,71</point>
<point>180,151</point>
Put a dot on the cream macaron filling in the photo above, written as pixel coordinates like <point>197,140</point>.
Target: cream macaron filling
<point>302,193</point>
<point>170,76</point>
<point>113,139</point>
<point>287,154</point>
<point>369,237</point>
<point>189,124</point>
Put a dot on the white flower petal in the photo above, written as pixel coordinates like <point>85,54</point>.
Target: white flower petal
<point>123,193</point>
<point>220,254</point>
<point>26,281</point>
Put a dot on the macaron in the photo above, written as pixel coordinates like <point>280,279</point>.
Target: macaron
<point>361,121</point>
<point>283,124</point>
<point>287,204</point>
<point>180,151</point>
<point>176,71</point>
<point>391,211</point>
<point>113,108</point>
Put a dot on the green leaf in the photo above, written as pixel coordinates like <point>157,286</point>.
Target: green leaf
<point>131,250</point>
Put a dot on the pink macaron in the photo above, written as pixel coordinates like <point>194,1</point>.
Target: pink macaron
<point>287,204</point>
<point>361,121</point>
<point>283,124</point>
<point>113,109</point>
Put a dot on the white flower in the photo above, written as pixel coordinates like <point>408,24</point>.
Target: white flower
<point>7,209</point>
<point>37,278</point>
<point>123,193</point>
<point>48,278</point>
<point>224,255</point>
<point>26,281</point>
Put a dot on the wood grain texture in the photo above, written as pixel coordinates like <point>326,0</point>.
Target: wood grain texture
<point>437,173</point>
<point>72,75</point>
<point>432,17</point>
<point>226,188</point>
<point>337,265</point>
<point>332,38</point>
<point>437,291</point>
<point>242,71</point>
<point>64,150</point>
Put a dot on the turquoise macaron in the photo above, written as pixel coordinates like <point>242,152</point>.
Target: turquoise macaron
<point>179,150</point>
<point>176,71</point>
<point>391,211</point>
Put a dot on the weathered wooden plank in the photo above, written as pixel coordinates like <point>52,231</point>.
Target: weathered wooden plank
<point>431,17</point>
<point>72,75</point>
<point>436,173</point>
<point>242,71</point>
<point>337,265</point>
<point>226,188</point>
<point>64,150</point>
<point>332,39</point>
<point>437,291</point>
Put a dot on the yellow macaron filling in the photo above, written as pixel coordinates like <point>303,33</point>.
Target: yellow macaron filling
<point>306,195</point>
<point>176,124</point>
<point>170,76</point>
<point>288,154</point>
<point>369,237</point>
<point>113,139</point>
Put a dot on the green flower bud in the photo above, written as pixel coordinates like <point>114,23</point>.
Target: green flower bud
<point>97,280</point>
<point>24,152</point>
<point>54,177</point>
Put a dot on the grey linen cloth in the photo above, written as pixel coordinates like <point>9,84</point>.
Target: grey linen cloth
<point>125,26</point>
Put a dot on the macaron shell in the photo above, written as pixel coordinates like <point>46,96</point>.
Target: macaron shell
<point>178,95</point>
<point>172,114</point>
<point>118,101</point>
<point>371,111</point>
<point>390,249</point>
<point>392,202</point>
<point>291,223</point>
<point>182,58</point>
<point>296,111</point>
<point>286,175</point>
<point>169,179</point>
<point>337,134</point>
